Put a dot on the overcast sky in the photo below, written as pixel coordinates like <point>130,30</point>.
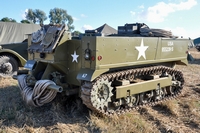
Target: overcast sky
<point>179,16</point>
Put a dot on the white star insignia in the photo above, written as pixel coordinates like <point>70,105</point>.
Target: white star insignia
<point>74,56</point>
<point>141,50</point>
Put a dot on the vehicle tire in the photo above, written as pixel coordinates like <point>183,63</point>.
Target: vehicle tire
<point>8,66</point>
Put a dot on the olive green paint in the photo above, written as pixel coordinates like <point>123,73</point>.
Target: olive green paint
<point>22,60</point>
<point>144,86</point>
<point>116,52</point>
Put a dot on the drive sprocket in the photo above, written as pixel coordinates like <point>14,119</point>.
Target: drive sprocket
<point>101,94</point>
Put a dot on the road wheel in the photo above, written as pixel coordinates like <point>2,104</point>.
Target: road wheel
<point>8,66</point>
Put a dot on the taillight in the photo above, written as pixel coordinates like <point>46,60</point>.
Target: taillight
<point>99,57</point>
<point>93,58</point>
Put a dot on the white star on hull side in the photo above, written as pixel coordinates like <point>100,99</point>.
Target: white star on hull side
<point>141,49</point>
<point>74,56</point>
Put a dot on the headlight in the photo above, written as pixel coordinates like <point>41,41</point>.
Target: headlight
<point>87,54</point>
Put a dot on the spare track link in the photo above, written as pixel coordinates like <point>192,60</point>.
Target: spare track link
<point>87,87</point>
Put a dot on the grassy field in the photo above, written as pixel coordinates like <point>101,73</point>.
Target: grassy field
<point>65,115</point>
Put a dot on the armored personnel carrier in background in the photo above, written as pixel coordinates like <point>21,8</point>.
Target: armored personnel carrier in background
<point>111,74</point>
<point>13,46</point>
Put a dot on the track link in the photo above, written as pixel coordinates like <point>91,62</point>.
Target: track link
<point>107,95</point>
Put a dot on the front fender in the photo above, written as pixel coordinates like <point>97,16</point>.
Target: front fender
<point>89,74</point>
<point>11,52</point>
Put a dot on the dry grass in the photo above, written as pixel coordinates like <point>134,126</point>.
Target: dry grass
<point>130,122</point>
<point>65,115</point>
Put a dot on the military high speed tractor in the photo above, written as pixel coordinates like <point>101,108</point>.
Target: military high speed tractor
<point>110,73</point>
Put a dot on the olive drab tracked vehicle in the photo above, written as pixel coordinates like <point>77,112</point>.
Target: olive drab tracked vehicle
<point>111,74</point>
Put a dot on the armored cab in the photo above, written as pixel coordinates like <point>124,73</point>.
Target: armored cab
<point>111,74</point>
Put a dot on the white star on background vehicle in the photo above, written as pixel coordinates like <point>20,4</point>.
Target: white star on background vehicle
<point>141,50</point>
<point>74,56</point>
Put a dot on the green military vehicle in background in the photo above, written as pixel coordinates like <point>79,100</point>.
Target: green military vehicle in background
<point>111,73</point>
<point>13,46</point>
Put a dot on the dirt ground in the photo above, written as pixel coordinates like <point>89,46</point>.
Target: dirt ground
<point>66,115</point>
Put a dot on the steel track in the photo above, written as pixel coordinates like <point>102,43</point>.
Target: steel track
<point>124,74</point>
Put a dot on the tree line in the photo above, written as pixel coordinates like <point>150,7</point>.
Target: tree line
<point>37,16</point>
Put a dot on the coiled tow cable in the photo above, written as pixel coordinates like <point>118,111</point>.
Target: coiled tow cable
<point>39,95</point>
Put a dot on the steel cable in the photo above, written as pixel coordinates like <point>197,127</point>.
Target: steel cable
<point>39,95</point>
